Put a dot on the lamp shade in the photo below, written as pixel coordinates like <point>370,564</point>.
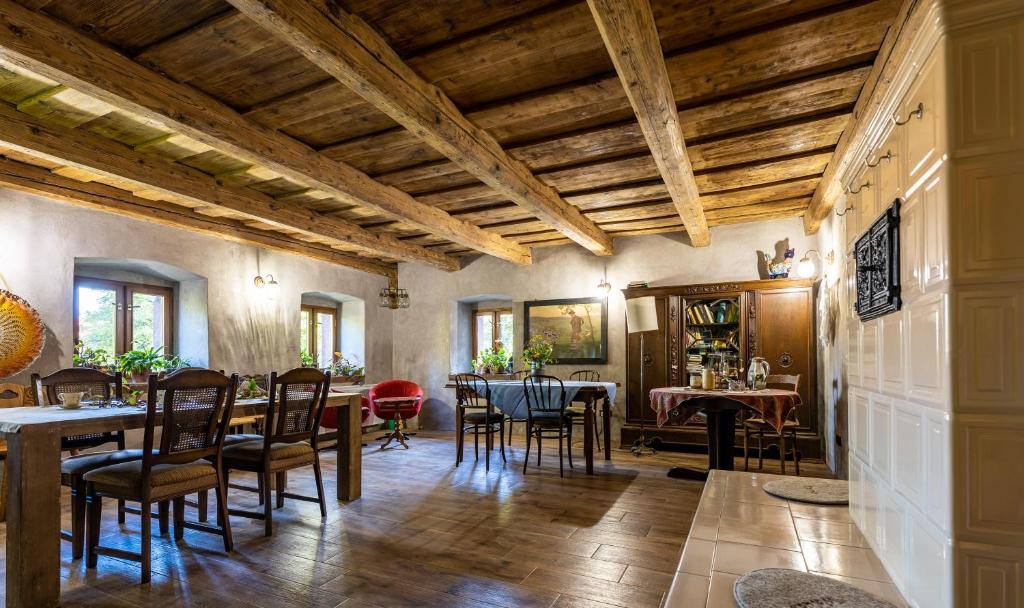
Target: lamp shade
<point>641,314</point>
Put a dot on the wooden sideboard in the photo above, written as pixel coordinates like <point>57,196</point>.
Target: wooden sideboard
<point>775,320</point>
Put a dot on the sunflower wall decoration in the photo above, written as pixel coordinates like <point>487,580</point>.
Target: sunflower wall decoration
<point>21,334</point>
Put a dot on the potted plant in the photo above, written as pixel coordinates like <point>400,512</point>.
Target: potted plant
<point>94,358</point>
<point>538,352</point>
<point>306,359</point>
<point>498,360</point>
<point>344,370</point>
<point>175,363</point>
<point>136,365</point>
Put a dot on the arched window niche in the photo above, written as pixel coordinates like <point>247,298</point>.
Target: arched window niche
<point>123,304</point>
<point>482,321</point>
<point>332,322</point>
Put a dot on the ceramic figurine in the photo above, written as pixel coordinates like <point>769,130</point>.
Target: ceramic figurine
<point>780,270</point>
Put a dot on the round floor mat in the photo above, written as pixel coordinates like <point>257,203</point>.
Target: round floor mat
<point>780,588</point>
<point>818,491</point>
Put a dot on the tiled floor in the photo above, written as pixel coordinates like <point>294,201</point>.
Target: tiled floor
<point>738,527</point>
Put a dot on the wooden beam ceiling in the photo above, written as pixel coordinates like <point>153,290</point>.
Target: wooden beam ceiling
<point>345,47</point>
<point>53,50</point>
<point>93,195</point>
<point>871,97</point>
<point>629,33</point>
<point>96,154</point>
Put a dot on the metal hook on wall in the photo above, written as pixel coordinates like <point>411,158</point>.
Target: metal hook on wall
<point>887,156</point>
<point>919,112</point>
<point>864,186</point>
<point>845,211</point>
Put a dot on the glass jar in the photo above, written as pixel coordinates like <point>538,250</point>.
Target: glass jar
<point>757,373</point>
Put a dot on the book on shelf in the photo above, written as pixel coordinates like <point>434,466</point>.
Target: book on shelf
<point>703,314</point>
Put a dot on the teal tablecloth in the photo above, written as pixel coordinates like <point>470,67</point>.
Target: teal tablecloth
<point>508,395</point>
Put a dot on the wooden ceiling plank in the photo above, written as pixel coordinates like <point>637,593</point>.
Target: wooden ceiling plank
<point>629,33</point>
<point>348,49</point>
<point>873,95</point>
<point>93,153</point>
<point>53,50</point>
<point>36,180</point>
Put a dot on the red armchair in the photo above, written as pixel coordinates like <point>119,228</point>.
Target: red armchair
<point>397,400</point>
<point>330,415</point>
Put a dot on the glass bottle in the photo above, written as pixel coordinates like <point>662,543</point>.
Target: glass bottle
<point>757,374</point>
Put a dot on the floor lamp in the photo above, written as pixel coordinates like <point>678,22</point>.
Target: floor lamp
<point>642,317</point>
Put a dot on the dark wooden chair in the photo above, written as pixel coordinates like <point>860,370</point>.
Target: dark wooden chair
<point>48,390</point>
<point>473,398</point>
<point>759,427</point>
<point>296,404</point>
<point>545,416</point>
<point>516,375</point>
<point>578,413</point>
<point>196,409</point>
<point>11,395</point>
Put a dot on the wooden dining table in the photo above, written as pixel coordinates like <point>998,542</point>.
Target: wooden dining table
<point>590,393</point>
<point>720,408</point>
<point>33,437</point>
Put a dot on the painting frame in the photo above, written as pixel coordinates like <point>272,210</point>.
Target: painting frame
<point>538,307</point>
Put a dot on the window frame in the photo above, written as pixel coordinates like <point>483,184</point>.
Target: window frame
<point>313,310</point>
<point>123,292</point>
<point>495,315</point>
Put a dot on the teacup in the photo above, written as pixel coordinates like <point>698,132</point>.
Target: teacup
<point>71,401</point>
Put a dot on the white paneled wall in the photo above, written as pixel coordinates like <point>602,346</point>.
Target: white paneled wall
<point>986,70</point>
<point>936,390</point>
<point>899,365</point>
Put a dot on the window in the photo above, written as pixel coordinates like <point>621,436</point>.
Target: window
<point>318,333</point>
<point>492,329</point>
<point>119,317</point>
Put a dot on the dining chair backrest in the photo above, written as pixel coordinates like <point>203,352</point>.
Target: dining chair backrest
<point>545,394</point>
<point>785,382</point>
<point>12,395</point>
<point>472,391</point>
<point>296,405</point>
<point>586,375</point>
<point>196,408</point>
<point>49,389</point>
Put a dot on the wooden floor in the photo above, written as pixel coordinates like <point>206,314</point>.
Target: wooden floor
<point>427,534</point>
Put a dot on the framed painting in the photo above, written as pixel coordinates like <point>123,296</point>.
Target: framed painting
<point>577,327</point>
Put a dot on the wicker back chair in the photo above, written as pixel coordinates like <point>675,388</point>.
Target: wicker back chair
<point>296,405</point>
<point>49,390</point>
<point>194,416</point>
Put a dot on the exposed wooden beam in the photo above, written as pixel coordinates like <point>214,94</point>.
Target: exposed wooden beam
<point>629,33</point>
<point>347,48</point>
<point>90,152</point>
<point>872,95</point>
<point>56,51</point>
<point>92,195</point>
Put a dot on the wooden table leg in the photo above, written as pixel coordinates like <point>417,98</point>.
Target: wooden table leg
<point>350,451</point>
<point>606,415</point>
<point>588,437</point>
<point>33,519</point>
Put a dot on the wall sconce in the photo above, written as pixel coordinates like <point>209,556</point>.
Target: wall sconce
<point>267,285</point>
<point>604,287</point>
<point>807,268</point>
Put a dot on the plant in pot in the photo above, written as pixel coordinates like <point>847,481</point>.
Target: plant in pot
<point>538,352</point>
<point>498,360</point>
<point>346,370</point>
<point>306,359</point>
<point>136,365</point>
<point>94,358</point>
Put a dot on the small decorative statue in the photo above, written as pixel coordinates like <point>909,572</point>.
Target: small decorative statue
<point>780,270</point>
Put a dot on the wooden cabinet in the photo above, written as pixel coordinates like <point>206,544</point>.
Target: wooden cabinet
<point>775,321</point>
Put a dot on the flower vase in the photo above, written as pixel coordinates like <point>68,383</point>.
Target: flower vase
<point>536,368</point>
